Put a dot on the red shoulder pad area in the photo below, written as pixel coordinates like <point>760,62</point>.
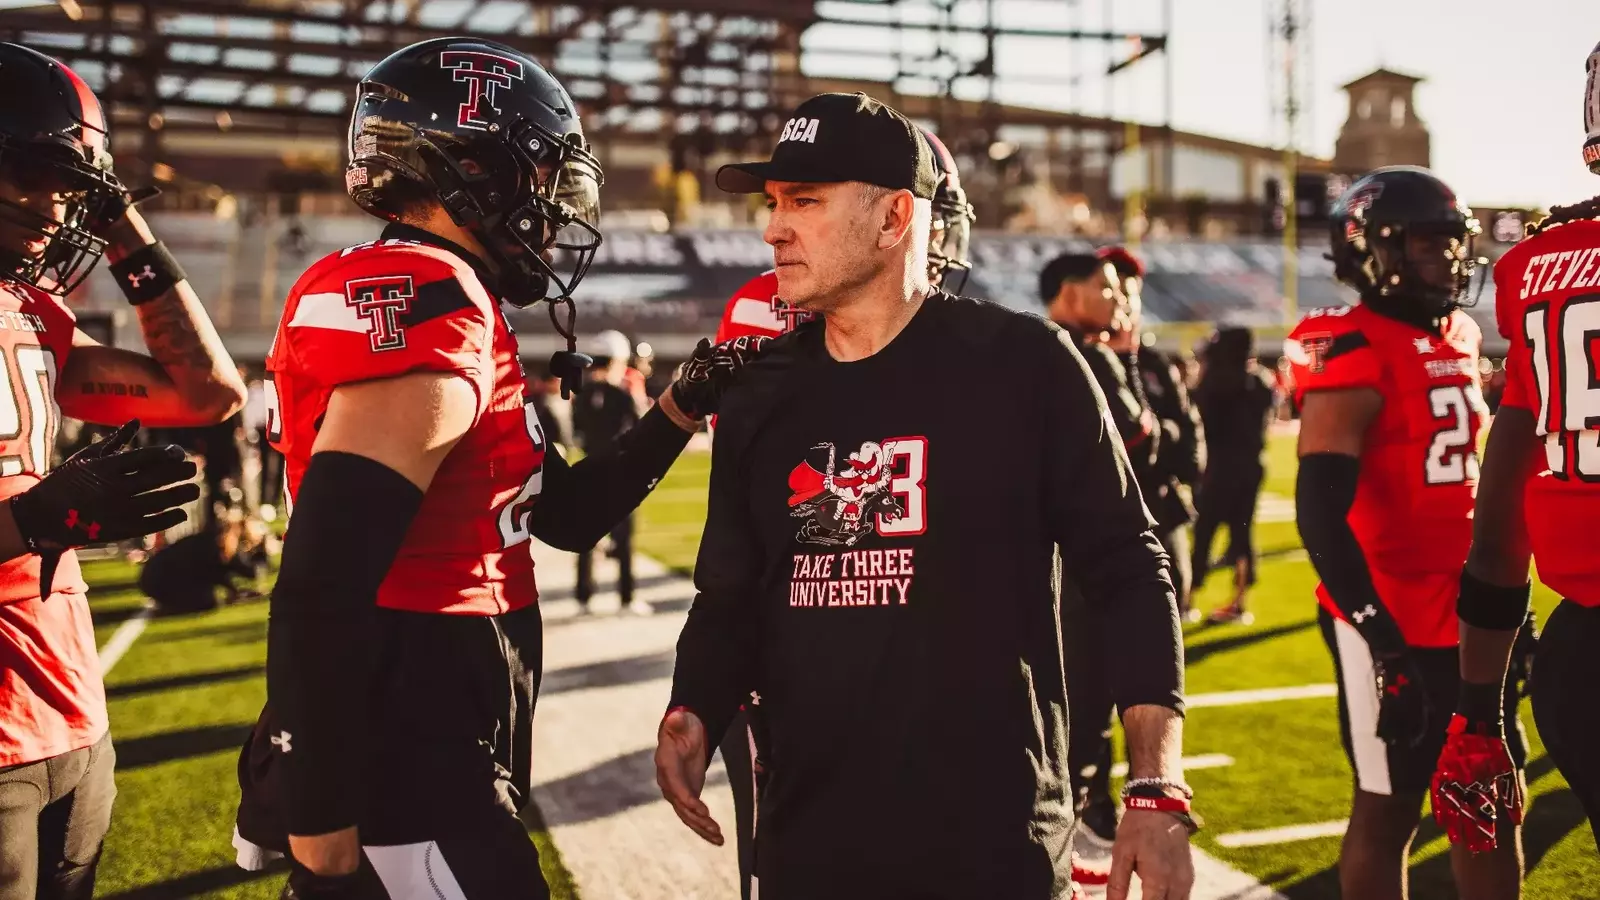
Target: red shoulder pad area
<point>386,310</point>
<point>752,310</point>
<point>1329,351</point>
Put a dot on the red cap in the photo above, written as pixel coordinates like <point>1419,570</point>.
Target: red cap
<point>1128,265</point>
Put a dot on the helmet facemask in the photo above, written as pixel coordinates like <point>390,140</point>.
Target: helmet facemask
<point>51,252</point>
<point>949,238</point>
<point>1429,265</point>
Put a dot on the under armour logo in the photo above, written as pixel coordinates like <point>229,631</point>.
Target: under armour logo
<point>1363,614</point>
<point>281,741</point>
<point>92,529</point>
<point>138,278</point>
<point>755,699</point>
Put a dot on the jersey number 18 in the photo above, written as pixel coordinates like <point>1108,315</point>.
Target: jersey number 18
<point>1567,373</point>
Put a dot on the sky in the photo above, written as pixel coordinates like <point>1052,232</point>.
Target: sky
<point>1503,95</point>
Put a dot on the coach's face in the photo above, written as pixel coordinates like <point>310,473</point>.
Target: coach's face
<point>823,243</point>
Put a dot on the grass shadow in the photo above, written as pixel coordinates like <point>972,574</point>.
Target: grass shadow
<point>153,749</point>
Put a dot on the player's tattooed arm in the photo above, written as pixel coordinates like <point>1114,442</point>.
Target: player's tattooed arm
<point>187,379</point>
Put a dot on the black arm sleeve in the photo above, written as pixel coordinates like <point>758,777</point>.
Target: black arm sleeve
<point>716,662</point>
<point>579,504</point>
<point>1096,514</point>
<point>351,516</point>
<point>1324,491</point>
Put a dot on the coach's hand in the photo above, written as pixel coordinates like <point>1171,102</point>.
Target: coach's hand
<point>697,392</point>
<point>1155,845</point>
<point>681,771</point>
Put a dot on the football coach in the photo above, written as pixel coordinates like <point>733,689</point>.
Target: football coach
<point>878,574</point>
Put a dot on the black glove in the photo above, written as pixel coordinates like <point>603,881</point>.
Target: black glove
<point>698,390</point>
<point>114,207</point>
<point>103,494</point>
<point>1406,715</point>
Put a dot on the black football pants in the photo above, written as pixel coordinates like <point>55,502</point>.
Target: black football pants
<point>448,765</point>
<point>1566,668</point>
<point>54,815</point>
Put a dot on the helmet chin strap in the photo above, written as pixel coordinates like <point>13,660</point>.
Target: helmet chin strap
<point>568,365</point>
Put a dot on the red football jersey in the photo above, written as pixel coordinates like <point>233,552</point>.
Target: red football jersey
<point>755,311</point>
<point>1419,463</point>
<point>51,697</point>
<point>393,307</point>
<point>1547,291</point>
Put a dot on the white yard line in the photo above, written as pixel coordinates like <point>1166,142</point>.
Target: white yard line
<point>1283,835</point>
<point>122,639</point>
<point>1190,763</point>
<point>1261,695</point>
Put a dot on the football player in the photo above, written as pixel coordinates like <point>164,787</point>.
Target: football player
<point>61,208</point>
<point>403,654</point>
<point>1540,497</point>
<point>1391,407</point>
<point>755,310</point>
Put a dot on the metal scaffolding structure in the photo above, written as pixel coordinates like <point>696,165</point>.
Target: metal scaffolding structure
<point>699,77</point>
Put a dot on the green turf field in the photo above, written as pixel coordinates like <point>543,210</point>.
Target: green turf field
<point>185,694</point>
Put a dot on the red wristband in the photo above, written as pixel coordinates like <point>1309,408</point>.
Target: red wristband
<point>1157,804</point>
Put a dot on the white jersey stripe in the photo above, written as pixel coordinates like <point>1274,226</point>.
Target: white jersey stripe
<point>329,311</point>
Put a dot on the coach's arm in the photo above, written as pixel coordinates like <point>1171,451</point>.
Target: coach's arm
<point>1099,520</point>
<point>717,653</point>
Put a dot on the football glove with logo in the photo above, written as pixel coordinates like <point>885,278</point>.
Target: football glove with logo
<point>709,371</point>
<point>1405,714</point>
<point>1475,779</point>
<point>102,494</point>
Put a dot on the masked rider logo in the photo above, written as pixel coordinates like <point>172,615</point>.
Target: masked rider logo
<point>841,505</point>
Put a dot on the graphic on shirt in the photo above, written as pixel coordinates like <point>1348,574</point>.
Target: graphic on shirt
<point>876,489</point>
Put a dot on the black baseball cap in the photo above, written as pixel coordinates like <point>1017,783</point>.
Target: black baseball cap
<point>841,137</point>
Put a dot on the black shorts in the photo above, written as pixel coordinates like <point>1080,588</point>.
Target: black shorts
<point>1382,768</point>
<point>448,762</point>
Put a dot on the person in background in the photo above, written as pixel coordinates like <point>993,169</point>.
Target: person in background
<point>1235,402</point>
<point>608,405</point>
<point>1082,293</point>
<point>1181,451</point>
<point>554,411</point>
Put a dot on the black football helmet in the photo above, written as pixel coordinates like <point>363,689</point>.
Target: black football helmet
<point>1404,241</point>
<point>952,221</point>
<point>52,148</point>
<point>491,136</point>
<point>1591,113</point>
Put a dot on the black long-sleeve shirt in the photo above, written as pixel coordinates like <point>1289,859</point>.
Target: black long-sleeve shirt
<point>877,565</point>
<point>1181,451</point>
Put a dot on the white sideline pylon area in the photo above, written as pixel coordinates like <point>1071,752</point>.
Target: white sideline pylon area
<point>607,677</point>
